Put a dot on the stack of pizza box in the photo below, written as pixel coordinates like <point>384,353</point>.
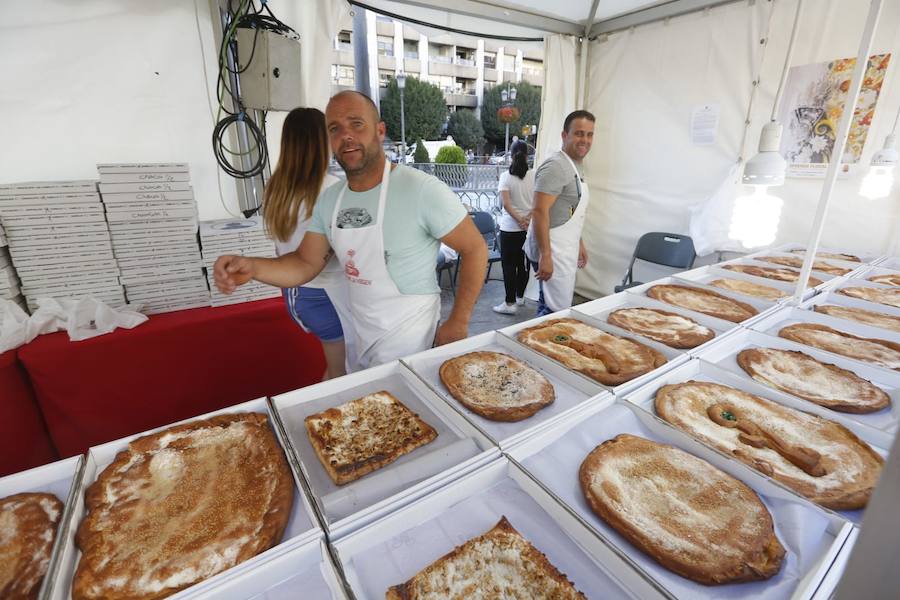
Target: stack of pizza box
<point>244,237</point>
<point>59,243</point>
<point>153,221</point>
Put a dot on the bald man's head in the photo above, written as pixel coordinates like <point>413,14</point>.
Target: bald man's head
<point>356,132</point>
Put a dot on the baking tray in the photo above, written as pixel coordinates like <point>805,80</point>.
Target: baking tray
<point>599,309</point>
<point>302,525</point>
<point>675,357</point>
<point>395,548</point>
<point>791,315</point>
<point>699,370</point>
<point>883,424</point>
<point>866,258</point>
<point>459,447</point>
<point>62,479</point>
<point>811,536</point>
<point>571,390</point>
<point>306,566</point>
<point>761,305</point>
<point>708,273</point>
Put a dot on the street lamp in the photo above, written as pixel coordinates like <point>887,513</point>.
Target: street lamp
<point>508,96</point>
<point>401,84</point>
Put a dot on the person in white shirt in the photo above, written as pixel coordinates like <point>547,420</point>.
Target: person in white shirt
<point>516,190</point>
<point>290,196</point>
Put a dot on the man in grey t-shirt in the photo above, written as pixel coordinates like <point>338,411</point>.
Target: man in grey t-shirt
<point>560,201</point>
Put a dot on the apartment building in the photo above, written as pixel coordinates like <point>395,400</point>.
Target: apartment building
<point>462,66</point>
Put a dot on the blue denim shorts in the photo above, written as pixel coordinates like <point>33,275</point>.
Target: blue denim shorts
<point>312,309</point>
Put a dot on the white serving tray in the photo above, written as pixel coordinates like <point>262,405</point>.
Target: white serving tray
<point>844,264</point>
<point>301,526</point>
<point>872,271</point>
<point>811,536</point>
<point>305,567</point>
<point>825,277</point>
<point>62,479</point>
<point>888,262</point>
<point>761,305</point>
<point>829,584</point>
<point>599,309</point>
<point>704,275</point>
<point>459,447</point>
<point>675,357</point>
<point>882,424</point>
<point>571,390</point>
<point>393,549</point>
<point>865,258</point>
<point>863,283</point>
<point>842,300</point>
<point>699,370</point>
<point>792,315</point>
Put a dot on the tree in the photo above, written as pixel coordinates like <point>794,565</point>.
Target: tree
<point>424,106</point>
<point>465,128</point>
<point>451,155</point>
<point>528,101</point>
<point>421,153</point>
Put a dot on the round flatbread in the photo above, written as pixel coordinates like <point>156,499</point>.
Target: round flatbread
<point>671,329</point>
<point>817,458</point>
<point>805,377</point>
<point>496,386</point>
<point>692,518</point>
<point>604,357</point>
<point>28,524</point>
<point>703,301</point>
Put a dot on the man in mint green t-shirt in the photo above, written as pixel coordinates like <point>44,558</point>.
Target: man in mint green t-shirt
<point>385,225</point>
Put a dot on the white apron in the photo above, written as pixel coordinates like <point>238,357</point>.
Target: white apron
<point>564,247</point>
<point>387,324</point>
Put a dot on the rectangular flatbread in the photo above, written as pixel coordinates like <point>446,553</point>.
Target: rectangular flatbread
<point>861,315</point>
<point>366,434</point>
<point>883,353</point>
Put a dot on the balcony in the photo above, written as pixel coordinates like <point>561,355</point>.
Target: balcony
<point>387,62</point>
<point>533,76</point>
<point>466,62</point>
<point>412,65</point>
<point>490,74</point>
<point>457,98</point>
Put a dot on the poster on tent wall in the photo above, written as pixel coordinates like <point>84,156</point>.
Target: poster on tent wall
<point>811,110</point>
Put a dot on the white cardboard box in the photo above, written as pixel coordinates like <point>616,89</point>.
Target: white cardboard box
<point>762,306</point>
<point>168,167</point>
<point>306,567</point>
<point>704,275</point>
<point>864,257</point>
<point>458,448</point>
<point>79,186</point>
<point>62,479</point>
<point>699,370</point>
<point>302,525</point>
<point>842,300</point>
<point>674,357</point>
<point>835,262</point>
<point>571,390</point>
<point>396,547</point>
<point>128,197</point>
<point>790,316</point>
<point>601,308</point>
<point>873,271</point>
<point>811,536</point>
<point>825,277</point>
<point>147,186</point>
<point>882,424</point>
<point>847,283</point>
<point>144,177</point>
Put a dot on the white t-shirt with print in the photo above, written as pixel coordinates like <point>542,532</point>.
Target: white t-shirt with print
<point>521,195</point>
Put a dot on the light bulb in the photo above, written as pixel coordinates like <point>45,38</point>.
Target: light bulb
<point>754,221</point>
<point>877,183</point>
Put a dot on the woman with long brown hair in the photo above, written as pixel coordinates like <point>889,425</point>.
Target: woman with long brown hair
<point>291,193</point>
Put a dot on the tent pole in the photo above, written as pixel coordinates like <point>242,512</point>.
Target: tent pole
<point>582,63</point>
<point>840,140</point>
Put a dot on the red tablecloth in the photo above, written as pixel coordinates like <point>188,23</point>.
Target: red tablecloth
<point>24,442</point>
<point>173,367</point>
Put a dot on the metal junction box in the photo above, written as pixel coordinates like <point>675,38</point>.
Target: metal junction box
<point>271,81</point>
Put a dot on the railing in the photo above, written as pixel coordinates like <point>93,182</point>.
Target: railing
<point>465,62</point>
<point>440,58</point>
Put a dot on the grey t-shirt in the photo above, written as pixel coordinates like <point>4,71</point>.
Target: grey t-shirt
<point>555,177</point>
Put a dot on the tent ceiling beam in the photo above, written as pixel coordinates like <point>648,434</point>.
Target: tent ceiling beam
<point>502,13</point>
<point>654,13</point>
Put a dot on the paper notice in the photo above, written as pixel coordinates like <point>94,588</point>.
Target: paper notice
<point>704,121</point>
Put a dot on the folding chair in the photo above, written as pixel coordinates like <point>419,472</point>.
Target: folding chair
<point>668,249</point>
